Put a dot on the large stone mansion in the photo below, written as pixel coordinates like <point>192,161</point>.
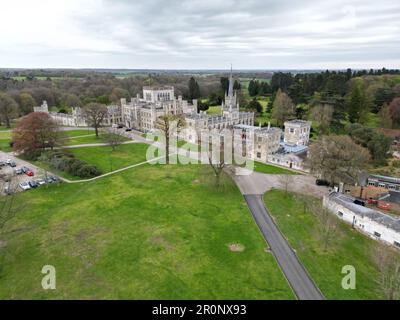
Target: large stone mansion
<point>287,148</point>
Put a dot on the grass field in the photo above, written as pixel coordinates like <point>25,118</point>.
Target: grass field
<point>350,248</point>
<point>5,137</point>
<point>271,169</point>
<point>214,110</point>
<point>152,232</point>
<point>107,160</point>
<point>78,132</point>
<point>89,138</point>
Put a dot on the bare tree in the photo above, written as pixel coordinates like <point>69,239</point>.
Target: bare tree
<point>322,115</point>
<point>283,108</point>
<point>286,180</point>
<point>112,138</point>
<point>337,159</point>
<point>94,114</point>
<point>328,224</point>
<point>169,124</point>
<point>388,262</point>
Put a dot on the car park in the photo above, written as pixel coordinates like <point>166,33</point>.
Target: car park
<point>24,186</point>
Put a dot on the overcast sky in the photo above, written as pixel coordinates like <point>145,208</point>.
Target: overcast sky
<point>200,34</point>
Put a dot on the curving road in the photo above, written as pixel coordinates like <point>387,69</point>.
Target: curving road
<point>298,278</point>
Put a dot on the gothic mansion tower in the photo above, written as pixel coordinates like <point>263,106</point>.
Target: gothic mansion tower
<point>229,117</point>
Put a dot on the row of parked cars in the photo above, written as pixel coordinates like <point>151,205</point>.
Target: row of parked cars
<point>7,162</point>
<point>26,185</point>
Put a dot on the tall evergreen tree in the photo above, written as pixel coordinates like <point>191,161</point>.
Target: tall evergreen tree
<point>194,89</point>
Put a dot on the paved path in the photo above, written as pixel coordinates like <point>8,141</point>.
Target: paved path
<point>298,278</point>
<point>259,183</point>
<point>112,172</point>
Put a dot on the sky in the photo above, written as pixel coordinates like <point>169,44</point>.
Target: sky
<point>200,34</point>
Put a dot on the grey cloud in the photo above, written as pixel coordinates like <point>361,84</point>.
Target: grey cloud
<point>210,34</point>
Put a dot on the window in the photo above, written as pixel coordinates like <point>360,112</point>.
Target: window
<point>377,234</point>
<point>397,244</point>
<point>258,154</point>
<point>291,130</point>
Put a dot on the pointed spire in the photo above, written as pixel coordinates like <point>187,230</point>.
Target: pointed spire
<point>230,90</point>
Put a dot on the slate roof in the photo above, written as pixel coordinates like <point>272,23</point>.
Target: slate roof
<point>377,216</point>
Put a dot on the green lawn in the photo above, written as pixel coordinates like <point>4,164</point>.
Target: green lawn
<point>92,139</point>
<point>351,248</point>
<point>5,137</point>
<point>271,169</point>
<point>152,232</point>
<point>87,139</point>
<point>107,160</point>
<point>214,110</point>
<point>78,132</point>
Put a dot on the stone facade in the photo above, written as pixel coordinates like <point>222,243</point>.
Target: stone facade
<point>263,142</point>
<point>297,132</point>
<point>142,113</point>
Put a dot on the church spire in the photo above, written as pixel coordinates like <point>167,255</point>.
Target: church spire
<point>230,90</point>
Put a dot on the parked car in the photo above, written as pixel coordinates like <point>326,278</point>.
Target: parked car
<point>55,179</point>
<point>12,164</point>
<point>2,163</point>
<point>7,189</point>
<point>321,182</point>
<point>114,125</point>
<point>18,171</point>
<point>128,129</point>
<point>120,126</point>
<point>8,161</point>
<point>384,205</point>
<point>33,184</point>
<point>359,202</point>
<point>48,180</point>
<point>24,169</point>
<point>372,201</point>
<point>29,173</point>
<point>24,186</point>
<point>40,181</point>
